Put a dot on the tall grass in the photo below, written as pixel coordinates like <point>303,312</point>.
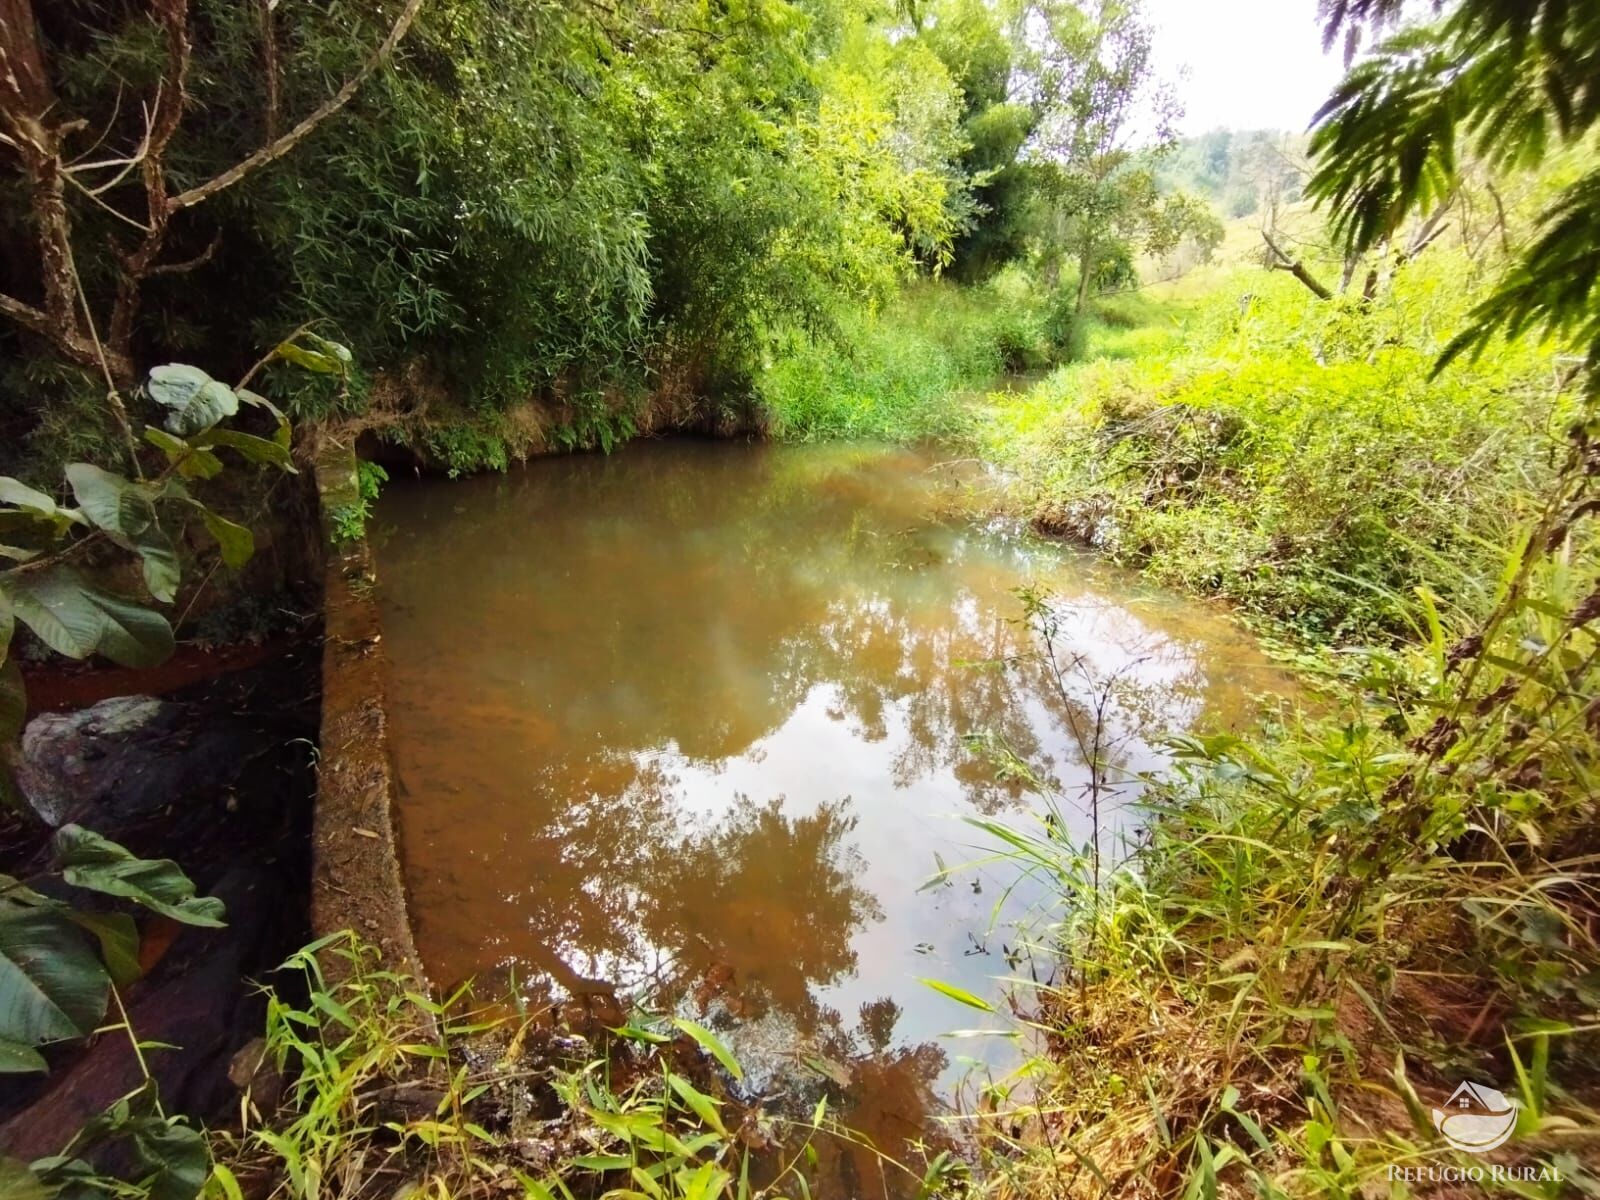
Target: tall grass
<point>1295,456</point>
<point>1325,927</point>
<point>909,373</point>
<point>372,1087</point>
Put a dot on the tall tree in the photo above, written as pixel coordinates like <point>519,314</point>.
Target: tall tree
<point>57,156</point>
<point>1105,121</point>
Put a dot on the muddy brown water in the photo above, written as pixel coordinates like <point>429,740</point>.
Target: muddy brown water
<point>691,721</point>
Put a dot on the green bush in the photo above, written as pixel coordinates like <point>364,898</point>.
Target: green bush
<point>1293,455</point>
<point>911,371</point>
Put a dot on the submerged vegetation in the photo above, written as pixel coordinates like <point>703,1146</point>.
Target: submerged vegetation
<point>1347,385</point>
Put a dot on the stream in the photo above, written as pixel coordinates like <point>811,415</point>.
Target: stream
<point>687,726</point>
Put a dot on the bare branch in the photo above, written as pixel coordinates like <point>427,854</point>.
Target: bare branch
<point>269,66</point>
<point>277,149</point>
<point>1282,262</point>
<point>35,320</point>
<point>166,111</point>
<point>188,264</point>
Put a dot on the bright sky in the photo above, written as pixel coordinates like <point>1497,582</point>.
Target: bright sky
<point>1244,64</point>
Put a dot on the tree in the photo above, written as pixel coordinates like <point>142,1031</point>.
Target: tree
<point>1505,82</point>
<point>1105,121</point>
<point>58,157</point>
<point>979,45</point>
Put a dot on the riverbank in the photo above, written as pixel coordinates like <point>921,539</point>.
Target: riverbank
<point>1333,920</point>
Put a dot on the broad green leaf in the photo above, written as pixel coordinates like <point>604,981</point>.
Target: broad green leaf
<point>119,942</point>
<point>17,1182</point>
<point>197,401</point>
<point>255,449</point>
<point>52,986</point>
<point>17,1059</point>
<point>13,701</point>
<point>331,348</point>
<point>110,501</point>
<point>235,541</point>
<point>14,491</point>
<point>74,619</point>
<point>100,865</point>
<point>193,462</point>
<point>159,559</point>
<point>309,360</point>
<point>177,1156</point>
<point>959,994</point>
<point>709,1042</point>
<point>126,510</point>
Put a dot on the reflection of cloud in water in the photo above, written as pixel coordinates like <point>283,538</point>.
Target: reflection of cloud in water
<point>690,718</point>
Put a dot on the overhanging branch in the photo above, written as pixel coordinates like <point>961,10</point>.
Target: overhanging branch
<point>274,150</point>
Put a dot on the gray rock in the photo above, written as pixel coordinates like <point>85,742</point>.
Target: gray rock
<point>123,759</point>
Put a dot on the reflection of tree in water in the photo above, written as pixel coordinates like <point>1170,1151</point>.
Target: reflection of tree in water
<point>887,1094</point>
<point>761,911</point>
<point>756,908</point>
<point>693,602</point>
<point>703,620</point>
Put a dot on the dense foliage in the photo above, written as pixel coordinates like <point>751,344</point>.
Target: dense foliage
<point>570,206</point>
<point>556,226</point>
<point>1294,455</point>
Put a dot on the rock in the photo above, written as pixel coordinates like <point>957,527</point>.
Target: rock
<point>253,1071</point>
<point>407,1101</point>
<point>124,759</point>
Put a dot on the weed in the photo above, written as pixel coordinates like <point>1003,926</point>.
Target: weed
<point>350,520</point>
<point>388,1088</point>
<point>1323,923</point>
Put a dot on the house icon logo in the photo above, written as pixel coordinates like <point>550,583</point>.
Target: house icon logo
<point>1476,1118</point>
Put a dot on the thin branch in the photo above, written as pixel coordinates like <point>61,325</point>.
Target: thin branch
<point>269,66</point>
<point>188,264</point>
<point>261,362</point>
<point>277,149</point>
<point>115,212</point>
<point>127,164</point>
<point>165,113</point>
<point>1295,267</point>
<point>111,121</point>
<point>113,396</point>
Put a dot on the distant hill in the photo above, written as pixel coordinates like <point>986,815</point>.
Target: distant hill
<point>1240,171</point>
